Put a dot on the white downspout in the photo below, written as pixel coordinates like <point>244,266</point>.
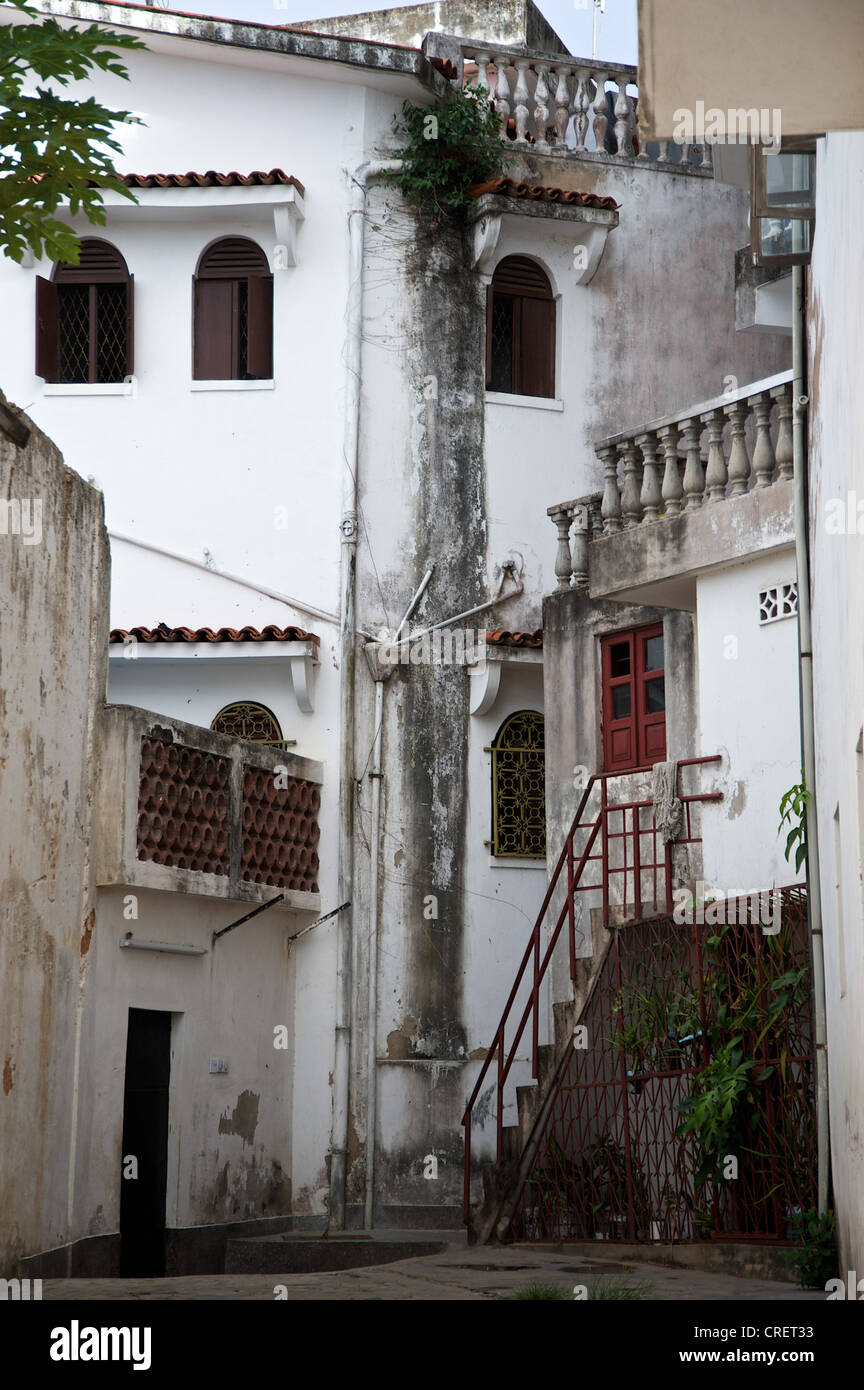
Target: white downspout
<point>805,643</point>
<point>359,181</point>
<point>377,775</point>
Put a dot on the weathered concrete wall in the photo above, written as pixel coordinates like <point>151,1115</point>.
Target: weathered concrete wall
<point>52,681</point>
<point>230,1136</point>
<point>513,22</point>
<point>836,362</point>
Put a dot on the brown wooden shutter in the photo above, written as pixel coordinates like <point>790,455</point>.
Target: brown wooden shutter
<point>537,348</point>
<point>259,350</point>
<point>213,358</point>
<point>130,325</point>
<point>47,332</point>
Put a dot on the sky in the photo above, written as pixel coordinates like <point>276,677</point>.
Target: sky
<point>572,19</point>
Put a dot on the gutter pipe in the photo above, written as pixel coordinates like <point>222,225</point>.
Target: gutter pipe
<point>358,184</point>
<point>808,750</point>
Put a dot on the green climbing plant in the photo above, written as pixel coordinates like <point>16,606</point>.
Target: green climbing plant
<point>449,146</point>
<point>793,813</point>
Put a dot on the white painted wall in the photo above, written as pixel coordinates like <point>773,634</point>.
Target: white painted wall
<point>836,362</point>
<point>748,712</point>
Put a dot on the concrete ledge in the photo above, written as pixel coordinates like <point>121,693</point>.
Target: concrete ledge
<point>658,563</point>
<point>203,1249</point>
<point>93,1257</point>
<point>310,1254</point>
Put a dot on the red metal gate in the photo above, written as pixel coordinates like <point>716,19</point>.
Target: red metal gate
<point>685,1109</point>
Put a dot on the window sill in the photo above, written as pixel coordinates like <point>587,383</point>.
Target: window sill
<point>87,388</point>
<point>531,402</point>
<point>232,385</point>
<point>515,862</point>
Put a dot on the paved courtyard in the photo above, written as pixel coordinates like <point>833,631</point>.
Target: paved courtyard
<point>456,1274</point>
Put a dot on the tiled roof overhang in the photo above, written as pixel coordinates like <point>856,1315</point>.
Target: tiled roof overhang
<point>501,638</point>
<point>163,633</point>
<point>539,193</point>
<point>211,179</point>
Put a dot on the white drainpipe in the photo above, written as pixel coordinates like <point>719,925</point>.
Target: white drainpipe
<point>359,181</point>
<point>805,643</point>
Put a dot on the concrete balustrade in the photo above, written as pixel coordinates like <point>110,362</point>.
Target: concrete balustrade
<point>721,449</point>
<point>570,105</point>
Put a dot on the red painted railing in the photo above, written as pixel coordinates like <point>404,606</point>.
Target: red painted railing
<point>634,867</point>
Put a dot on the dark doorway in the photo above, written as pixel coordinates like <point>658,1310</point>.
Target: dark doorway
<point>145,1140</point>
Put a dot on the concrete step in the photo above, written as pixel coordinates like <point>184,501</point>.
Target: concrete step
<point>292,1253</point>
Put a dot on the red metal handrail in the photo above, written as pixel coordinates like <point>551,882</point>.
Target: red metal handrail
<point>575,870</point>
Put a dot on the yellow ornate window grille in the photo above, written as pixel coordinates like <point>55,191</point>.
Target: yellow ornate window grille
<point>519,787</point>
<point>246,719</point>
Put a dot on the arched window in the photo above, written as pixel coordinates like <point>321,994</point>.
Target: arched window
<point>233,321</point>
<point>246,719</point>
<point>84,318</point>
<point>520,330</point>
<point>519,787</point>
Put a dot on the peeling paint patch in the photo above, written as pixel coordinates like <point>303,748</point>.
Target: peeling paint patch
<point>243,1119</point>
<point>89,924</point>
<point>400,1043</point>
<point>737,800</point>
<point>8,1069</point>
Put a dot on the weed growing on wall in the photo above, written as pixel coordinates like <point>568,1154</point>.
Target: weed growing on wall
<point>450,146</point>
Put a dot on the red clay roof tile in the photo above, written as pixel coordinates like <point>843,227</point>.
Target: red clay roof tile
<point>163,633</point>
<point>511,188</point>
<point>515,639</point>
<point>212,179</point>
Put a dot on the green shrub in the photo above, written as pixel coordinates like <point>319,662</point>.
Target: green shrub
<point>450,146</point>
<point>815,1258</point>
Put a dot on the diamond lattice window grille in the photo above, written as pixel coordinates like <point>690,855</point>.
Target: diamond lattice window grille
<point>73,322</point>
<point>111,333</point>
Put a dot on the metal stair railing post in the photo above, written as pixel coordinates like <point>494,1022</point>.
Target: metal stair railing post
<point>498,1042</point>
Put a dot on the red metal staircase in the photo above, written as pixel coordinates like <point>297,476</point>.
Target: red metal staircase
<point>621,859</point>
<point>596,1112</point>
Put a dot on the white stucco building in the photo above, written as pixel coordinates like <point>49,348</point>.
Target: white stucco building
<point>304,415</point>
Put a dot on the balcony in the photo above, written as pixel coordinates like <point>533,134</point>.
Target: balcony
<point>186,810</point>
<point>685,494</point>
<point>569,106</point>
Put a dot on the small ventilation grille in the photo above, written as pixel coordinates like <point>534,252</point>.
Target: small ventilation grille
<point>518,275</point>
<point>234,256</point>
<point>98,262</point>
<point>780,601</point>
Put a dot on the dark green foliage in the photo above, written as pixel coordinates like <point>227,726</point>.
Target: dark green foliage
<point>815,1259</point>
<point>450,146</point>
<point>53,147</point>
<point>724,1110</point>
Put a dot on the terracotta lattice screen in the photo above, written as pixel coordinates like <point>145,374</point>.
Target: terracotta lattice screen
<point>183,796</point>
<point>189,818</point>
<point>280,830</point>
